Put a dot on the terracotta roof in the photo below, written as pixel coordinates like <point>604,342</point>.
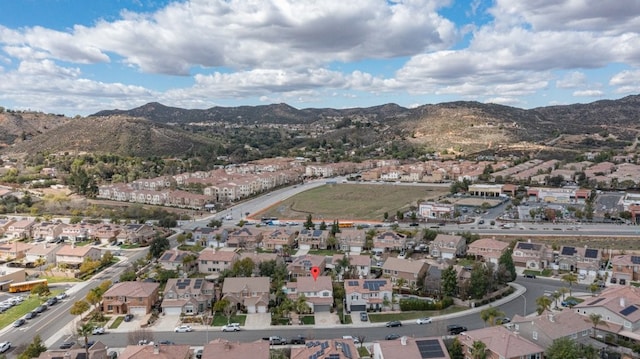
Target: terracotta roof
<point>308,284</point>
<point>217,255</point>
<point>69,250</point>
<point>327,347</point>
<point>238,284</point>
<point>619,300</point>
<point>403,265</point>
<point>132,289</point>
<point>43,249</point>
<point>220,348</point>
<point>174,351</point>
<point>395,348</point>
<point>358,286</point>
<point>488,243</point>
<point>501,341</point>
<point>360,260</point>
<point>556,325</point>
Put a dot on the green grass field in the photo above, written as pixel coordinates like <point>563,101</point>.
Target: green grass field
<point>358,202</point>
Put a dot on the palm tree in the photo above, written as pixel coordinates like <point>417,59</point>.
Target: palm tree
<point>593,287</point>
<point>563,291</point>
<point>301,306</point>
<point>84,331</point>
<point>543,303</point>
<point>490,314</point>
<point>570,278</point>
<point>39,263</point>
<point>596,319</point>
<point>479,350</point>
<point>556,295</point>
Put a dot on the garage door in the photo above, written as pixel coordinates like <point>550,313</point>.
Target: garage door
<point>305,246</point>
<point>262,309</point>
<point>321,308</point>
<point>172,310</point>
<point>138,310</point>
<point>358,308</point>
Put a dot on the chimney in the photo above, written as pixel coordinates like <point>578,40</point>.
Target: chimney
<point>529,240</point>
<point>403,340</point>
<point>551,317</point>
<point>622,302</point>
<point>227,346</point>
<point>156,349</point>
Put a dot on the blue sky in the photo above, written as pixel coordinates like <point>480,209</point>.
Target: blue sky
<point>79,57</point>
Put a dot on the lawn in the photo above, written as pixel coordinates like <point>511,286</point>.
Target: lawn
<point>308,320</point>
<point>18,311</point>
<point>220,320</point>
<point>387,317</point>
<point>352,202</point>
<point>116,323</point>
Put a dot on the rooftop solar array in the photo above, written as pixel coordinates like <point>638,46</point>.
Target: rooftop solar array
<point>183,283</point>
<point>527,246</point>
<point>591,253</point>
<point>568,251</point>
<point>430,348</point>
<point>198,283</point>
<point>166,256</point>
<point>346,350</point>
<point>628,310</point>
<point>373,285</point>
<point>635,259</point>
<point>353,283</point>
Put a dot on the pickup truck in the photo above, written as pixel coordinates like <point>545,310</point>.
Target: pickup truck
<point>298,339</point>
<point>276,340</point>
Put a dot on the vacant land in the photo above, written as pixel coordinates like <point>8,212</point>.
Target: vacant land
<point>362,202</point>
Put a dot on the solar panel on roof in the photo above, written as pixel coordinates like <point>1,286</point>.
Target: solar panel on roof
<point>198,284</point>
<point>591,253</point>
<point>353,283</point>
<point>166,256</point>
<point>430,348</point>
<point>346,350</point>
<point>568,251</point>
<point>334,356</point>
<point>526,246</point>
<point>628,310</point>
<point>635,259</point>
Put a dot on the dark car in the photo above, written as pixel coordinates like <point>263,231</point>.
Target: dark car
<point>298,339</point>
<point>166,342</point>
<point>455,329</point>
<point>66,345</point>
<point>413,224</point>
<point>614,280</point>
<point>528,275</point>
<point>128,317</point>
<point>569,302</point>
<point>623,281</point>
<point>31,315</point>
<point>52,301</point>
<point>363,316</point>
<point>18,323</point>
<point>394,323</point>
<point>41,308</point>
<point>503,320</point>
<point>392,336</point>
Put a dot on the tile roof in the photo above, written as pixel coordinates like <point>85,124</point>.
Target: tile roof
<point>220,348</point>
<point>75,251</point>
<point>174,351</point>
<point>403,265</point>
<point>501,341</point>
<point>132,289</point>
<point>217,255</point>
<point>410,350</point>
<point>334,348</point>
<point>359,286</point>
<point>253,284</point>
<point>308,284</point>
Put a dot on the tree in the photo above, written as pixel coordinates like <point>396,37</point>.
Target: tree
<point>79,307</point>
<point>563,291</point>
<point>490,314</point>
<point>593,287</point>
<point>563,348</point>
<point>34,349</point>
<point>158,246</point>
<point>323,226</point>
<point>455,349</point>
<point>243,268</point>
<point>107,257</point>
<point>215,223</point>
<point>40,290</point>
<point>301,306</point>
<point>128,275</point>
<point>479,281</point>
<point>84,331</point>
<point>226,308</point>
<point>308,224</point>
<point>543,303</point>
<point>40,262</point>
<point>596,319</point>
<point>556,295</point>
<point>449,281</point>
<point>570,278</point>
<point>507,261</point>
<point>332,242</point>
<point>478,350</point>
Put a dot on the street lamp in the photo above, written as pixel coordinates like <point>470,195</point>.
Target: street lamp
<point>525,304</point>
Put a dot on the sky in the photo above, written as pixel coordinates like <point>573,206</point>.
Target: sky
<point>77,57</point>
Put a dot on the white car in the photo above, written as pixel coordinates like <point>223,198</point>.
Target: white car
<point>98,331</point>
<point>426,320</point>
<point>183,329</point>
<point>231,327</point>
<point>4,346</point>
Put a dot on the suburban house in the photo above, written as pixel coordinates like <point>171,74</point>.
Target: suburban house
<point>221,348</point>
<point>106,233</point>
<point>245,237</point>
<point>45,252</point>
<point>530,255</point>
<point>73,255</point>
<point>549,326</point>
<point>214,261</point>
<point>319,292</point>
<point>582,259</point>
<point>130,297</point>
<point>388,240</point>
<point>136,233</point>
<point>367,294</point>
<point>500,344</point>
<point>276,239</point>
<point>488,249</point>
<point>159,351</point>
<point>76,232</point>
<point>360,265</point>
<point>408,270</point>
<point>19,229</point>
<point>326,349</point>
<point>619,307</point>
<point>351,240</point>
<point>14,250</point>
<point>97,351</point>
<point>301,266</point>
<point>312,239</point>
<point>175,259</point>
<point>187,296</point>
<point>46,231</point>
<point>626,266</point>
<point>447,246</point>
<point>250,293</point>
<point>411,348</point>
<point>209,237</point>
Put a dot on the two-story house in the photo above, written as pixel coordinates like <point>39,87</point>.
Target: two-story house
<point>250,293</point>
<point>301,265</point>
<point>258,258</point>
<point>367,294</point>
<point>76,232</point>
<point>157,351</point>
<point>409,270</point>
<point>386,241</point>
<point>136,233</point>
<point>209,237</point>
<point>410,348</point>
<point>19,229</point>
<point>549,326</point>
<point>351,240</point>
<point>130,297</point>
<point>14,250</point>
<point>106,233</point>
<point>245,238</point>
<point>213,261</point>
<point>175,259</point>
<point>277,238</point>
<point>187,296</point>
<point>584,260</point>
<point>529,255</point>
<point>500,344</point>
<point>43,253</point>
<point>447,246</point>
<point>318,292</point>
<point>626,266</point>
<point>73,256</point>
<point>46,231</point>
<point>312,239</point>
<point>360,265</point>
<point>488,249</point>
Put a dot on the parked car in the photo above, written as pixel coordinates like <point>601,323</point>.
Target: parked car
<point>503,320</point>
<point>349,337</point>
<point>569,302</point>
<point>31,315</point>
<point>98,331</point>
<point>128,317</point>
<point>52,301</point>
<point>66,345</point>
<point>614,280</point>
<point>394,323</point>
<point>392,336</point>
<point>113,355</point>
<point>18,323</point>
<point>166,342</point>
<point>183,329</point>
<point>277,340</point>
<point>426,320</point>
<point>198,354</point>
<point>623,281</point>
<point>4,346</point>
<point>455,329</point>
<point>364,317</point>
<point>298,339</point>
<point>88,344</point>
<point>61,296</point>
<point>231,327</point>
<point>529,275</point>
<point>41,308</point>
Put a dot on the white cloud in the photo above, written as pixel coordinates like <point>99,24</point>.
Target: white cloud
<point>588,93</point>
<point>572,80</point>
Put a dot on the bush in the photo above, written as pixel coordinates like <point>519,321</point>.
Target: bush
<point>417,304</point>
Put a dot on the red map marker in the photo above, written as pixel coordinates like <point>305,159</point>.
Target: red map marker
<point>315,271</point>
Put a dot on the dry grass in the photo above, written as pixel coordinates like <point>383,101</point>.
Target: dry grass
<point>352,202</point>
